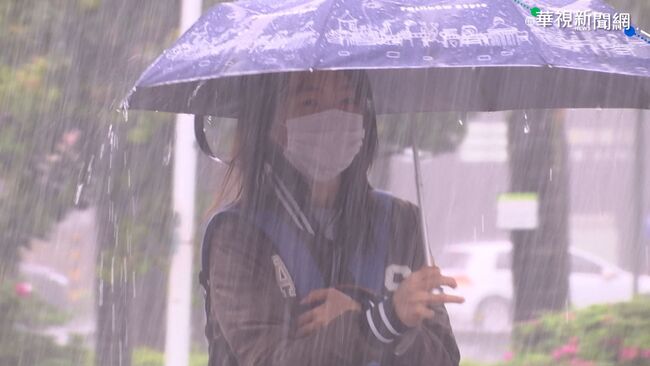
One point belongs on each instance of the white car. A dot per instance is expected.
(482, 271)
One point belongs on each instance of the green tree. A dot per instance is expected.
(39, 147)
(62, 143)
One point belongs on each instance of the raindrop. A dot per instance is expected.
(526, 126)
(113, 275)
(133, 282)
(113, 318)
(460, 121)
(101, 292)
(195, 92)
(90, 169)
(128, 244)
(112, 138)
(124, 271)
(311, 69)
(168, 155)
(80, 187)
(482, 223)
(124, 108)
(209, 120)
(128, 177)
(114, 141)
(550, 174)
(101, 278)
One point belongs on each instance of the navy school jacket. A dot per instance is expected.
(257, 267)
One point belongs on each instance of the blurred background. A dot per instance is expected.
(86, 214)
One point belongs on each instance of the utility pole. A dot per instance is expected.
(177, 336)
(639, 201)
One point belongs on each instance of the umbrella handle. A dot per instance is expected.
(409, 337)
(418, 187)
(199, 133)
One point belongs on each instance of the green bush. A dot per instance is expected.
(471, 363)
(616, 334)
(149, 357)
(18, 348)
(29, 311)
(21, 344)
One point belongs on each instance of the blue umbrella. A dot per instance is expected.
(420, 55)
(467, 55)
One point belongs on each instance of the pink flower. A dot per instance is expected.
(569, 349)
(23, 289)
(628, 353)
(508, 356)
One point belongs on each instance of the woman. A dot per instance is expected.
(310, 265)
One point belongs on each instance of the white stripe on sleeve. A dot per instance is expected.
(374, 329)
(384, 318)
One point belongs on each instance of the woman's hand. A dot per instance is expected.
(413, 297)
(334, 303)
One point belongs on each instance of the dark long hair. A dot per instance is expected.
(253, 148)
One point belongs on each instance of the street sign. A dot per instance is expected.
(517, 211)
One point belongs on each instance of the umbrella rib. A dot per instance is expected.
(540, 52)
(322, 33)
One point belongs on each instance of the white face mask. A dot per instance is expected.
(322, 145)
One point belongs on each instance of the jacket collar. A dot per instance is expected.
(297, 214)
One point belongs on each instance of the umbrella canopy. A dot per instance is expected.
(467, 55)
